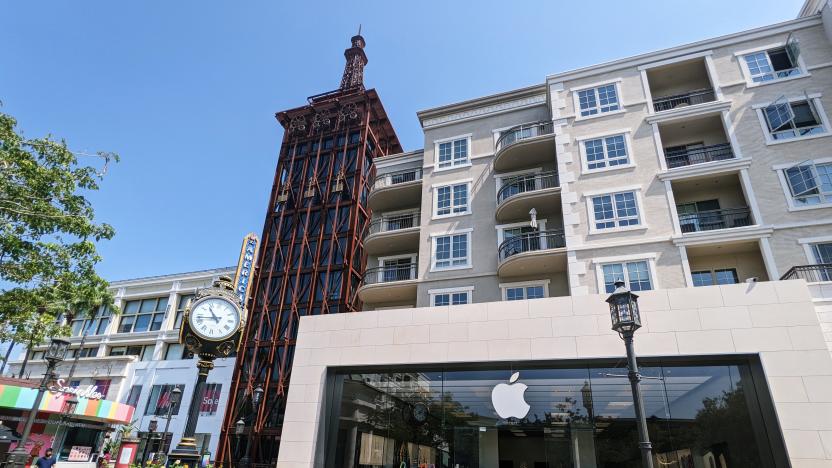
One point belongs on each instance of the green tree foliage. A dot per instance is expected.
(47, 235)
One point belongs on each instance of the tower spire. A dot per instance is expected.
(353, 76)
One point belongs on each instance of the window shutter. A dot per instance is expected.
(793, 49)
(779, 114)
(801, 179)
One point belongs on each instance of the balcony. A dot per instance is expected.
(520, 194)
(534, 253)
(810, 273)
(396, 190)
(690, 98)
(391, 234)
(726, 262)
(680, 84)
(697, 155)
(388, 284)
(715, 219)
(525, 146)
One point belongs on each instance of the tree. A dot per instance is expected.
(47, 236)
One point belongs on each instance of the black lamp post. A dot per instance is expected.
(175, 397)
(54, 354)
(239, 429)
(151, 428)
(626, 320)
(256, 396)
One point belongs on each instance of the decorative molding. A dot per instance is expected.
(485, 110)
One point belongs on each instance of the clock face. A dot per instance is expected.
(214, 319)
(420, 412)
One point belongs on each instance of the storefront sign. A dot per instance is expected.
(245, 266)
(509, 399)
(90, 391)
(79, 453)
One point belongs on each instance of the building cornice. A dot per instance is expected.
(700, 46)
(811, 7)
(192, 275)
(482, 107)
(399, 158)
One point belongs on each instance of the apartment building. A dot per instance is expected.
(698, 175)
(135, 357)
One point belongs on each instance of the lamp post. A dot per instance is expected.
(151, 428)
(55, 353)
(175, 396)
(626, 320)
(239, 429)
(256, 396)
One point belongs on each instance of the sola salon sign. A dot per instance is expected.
(90, 391)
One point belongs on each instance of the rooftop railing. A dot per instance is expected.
(689, 157)
(531, 241)
(691, 98)
(394, 178)
(523, 132)
(810, 273)
(527, 183)
(715, 219)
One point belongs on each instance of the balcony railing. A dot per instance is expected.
(394, 178)
(395, 222)
(715, 219)
(687, 99)
(390, 273)
(810, 273)
(689, 157)
(524, 132)
(527, 183)
(531, 241)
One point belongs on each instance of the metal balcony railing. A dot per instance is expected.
(689, 157)
(391, 273)
(527, 183)
(523, 132)
(687, 99)
(394, 178)
(394, 222)
(810, 273)
(715, 219)
(531, 241)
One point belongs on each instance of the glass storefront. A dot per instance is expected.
(703, 415)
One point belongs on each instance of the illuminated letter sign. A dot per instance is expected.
(245, 267)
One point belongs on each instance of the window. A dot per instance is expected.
(210, 399)
(771, 65)
(810, 183)
(452, 153)
(520, 293)
(133, 396)
(176, 351)
(159, 400)
(605, 152)
(451, 200)
(180, 309)
(145, 353)
(615, 210)
(102, 387)
(636, 275)
(822, 252)
(37, 355)
(788, 120)
(450, 251)
(143, 315)
(598, 100)
(454, 296)
(87, 351)
(712, 277)
(96, 325)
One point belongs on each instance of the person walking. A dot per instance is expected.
(46, 461)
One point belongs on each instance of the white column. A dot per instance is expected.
(671, 201)
(745, 182)
(683, 252)
(768, 259)
(709, 65)
(645, 84)
(657, 138)
(728, 126)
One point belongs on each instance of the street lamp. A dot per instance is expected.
(626, 320)
(239, 429)
(175, 396)
(151, 428)
(54, 354)
(256, 396)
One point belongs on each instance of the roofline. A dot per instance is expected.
(173, 276)
(811, 7)
(478, 102)
(662, 54)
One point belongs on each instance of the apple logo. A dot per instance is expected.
(509, 400)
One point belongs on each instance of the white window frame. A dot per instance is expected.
(590, 212)
(524, 284)
(780, 169)
(577, 102)
(435, 189)
(814, 99)
(413, 260)
(649, 257)
(746, 72)
(454, 164)
(541, 226)
(628, 143)
(468, 290)
(433, 238)
(809, 242)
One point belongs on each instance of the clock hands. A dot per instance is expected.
(211, 309)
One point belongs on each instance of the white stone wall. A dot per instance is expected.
(776, 320)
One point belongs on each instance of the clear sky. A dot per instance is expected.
(186, 91)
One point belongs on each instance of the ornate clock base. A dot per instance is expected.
(185, 453)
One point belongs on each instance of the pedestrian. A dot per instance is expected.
(46, 461)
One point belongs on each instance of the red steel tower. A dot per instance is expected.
(311, 258)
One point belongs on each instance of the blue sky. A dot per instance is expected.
(186, 91)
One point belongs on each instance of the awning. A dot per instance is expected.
(12, 396)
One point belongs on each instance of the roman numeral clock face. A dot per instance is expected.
(214, 319)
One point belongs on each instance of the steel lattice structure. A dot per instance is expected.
(312, 258)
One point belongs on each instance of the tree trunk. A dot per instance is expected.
(25, 362)
(6, 358)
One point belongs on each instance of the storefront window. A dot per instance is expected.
(160, 400)
(698, 415)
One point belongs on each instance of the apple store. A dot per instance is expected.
(709, 414)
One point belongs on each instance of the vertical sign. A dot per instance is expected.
(245, 267)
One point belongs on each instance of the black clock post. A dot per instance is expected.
(207, 350)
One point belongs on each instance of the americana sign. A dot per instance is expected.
(245, 267)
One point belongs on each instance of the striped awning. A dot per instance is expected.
(12, 396)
